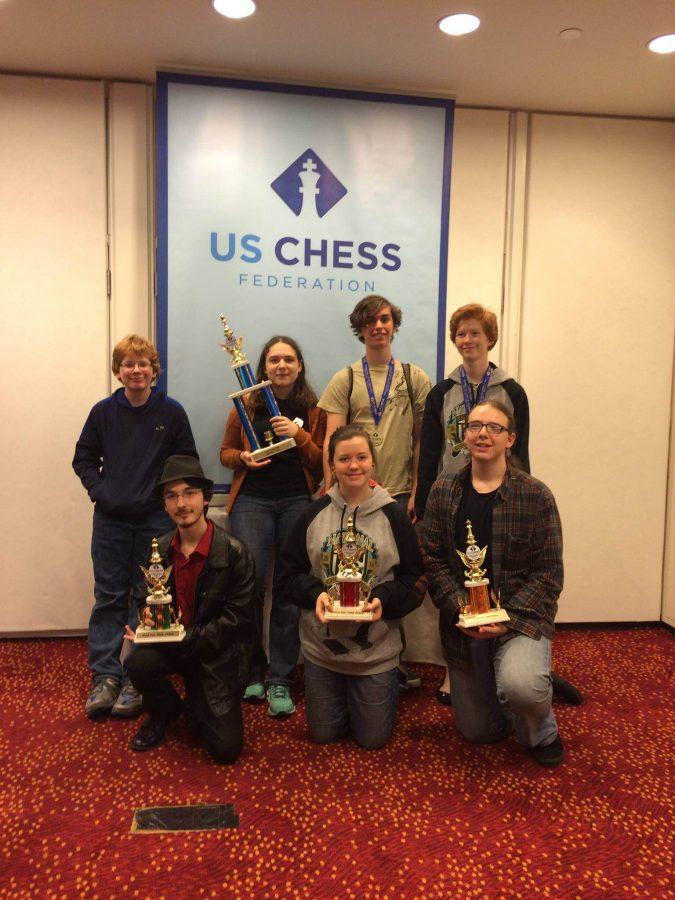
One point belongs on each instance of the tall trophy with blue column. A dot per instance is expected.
(246, 378)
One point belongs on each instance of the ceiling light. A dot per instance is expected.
(570, 34)
(663, 44)
(234, 9)
(462, 23)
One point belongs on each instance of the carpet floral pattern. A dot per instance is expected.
(428, 816)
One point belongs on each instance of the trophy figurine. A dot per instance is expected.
(478, 610)
(165, 624)
(347, 591)
(246, 378)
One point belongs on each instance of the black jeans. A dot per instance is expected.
(148, 668)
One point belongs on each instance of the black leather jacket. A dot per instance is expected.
(218, 644)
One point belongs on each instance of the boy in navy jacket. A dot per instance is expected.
(119, 458)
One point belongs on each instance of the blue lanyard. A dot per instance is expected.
(377, 410)
(481, 393)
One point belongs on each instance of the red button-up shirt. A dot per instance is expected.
(186, 571)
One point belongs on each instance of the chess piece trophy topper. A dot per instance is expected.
(478, 609)
(347, 591)
(165, 623)
(246, 378)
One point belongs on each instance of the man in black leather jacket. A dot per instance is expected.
(212, 582)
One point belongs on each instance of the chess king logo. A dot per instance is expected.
(308, 187)
(310, 190)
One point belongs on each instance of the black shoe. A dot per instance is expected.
(563, 690)
(153, 730)
(551, 755)
(443, 697)
(407, 680)
(150, 734)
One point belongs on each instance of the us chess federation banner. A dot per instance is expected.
(281, 207)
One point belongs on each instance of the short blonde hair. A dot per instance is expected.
(135, 345)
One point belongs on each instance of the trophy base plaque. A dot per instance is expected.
(474, 620)
(347, 614)
(159, 636)
(265, 452)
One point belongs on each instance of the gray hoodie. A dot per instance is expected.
(391, 565)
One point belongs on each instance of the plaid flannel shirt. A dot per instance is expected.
(526, 552)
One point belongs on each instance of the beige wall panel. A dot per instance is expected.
(130, 142)
(53, 340)
(477, 202)
(477, 211)
(668, 609)
(596, 351)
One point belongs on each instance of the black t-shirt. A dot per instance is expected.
(478, 508)
(284, 477)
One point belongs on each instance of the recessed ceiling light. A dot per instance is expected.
(461, 23)
(234, 9)
(570, 34)
(663, 44)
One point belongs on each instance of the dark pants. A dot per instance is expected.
(402, 500)
(118, 548)
(264, 526)
(338, 704)
(148, 668)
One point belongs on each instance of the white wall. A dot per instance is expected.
(131, 209)
(565, 222)
(596, 351)
(53, 340)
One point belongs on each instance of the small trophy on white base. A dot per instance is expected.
(165, 624)
(347, 591)
(478, 610)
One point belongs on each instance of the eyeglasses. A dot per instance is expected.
(492, 427)
(187, 494)
(130, 366)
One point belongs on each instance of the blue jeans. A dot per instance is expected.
(337, 704)
(504, 687)
(118, 548)
(263, 525)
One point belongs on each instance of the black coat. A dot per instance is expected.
(218, 644)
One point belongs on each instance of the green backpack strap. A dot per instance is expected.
(350, 388)
(408, 384)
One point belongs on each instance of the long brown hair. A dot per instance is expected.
(302, 394)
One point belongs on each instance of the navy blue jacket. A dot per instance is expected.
(122, 449)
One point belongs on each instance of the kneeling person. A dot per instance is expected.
(500, 673)
(213, 584)
(351, 675)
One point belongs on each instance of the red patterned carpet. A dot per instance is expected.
(428, 816)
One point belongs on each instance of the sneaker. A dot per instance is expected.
(551, 755)
(129, 703)
(407, 680)
(563, 690)
(104, 692)
(279, 699)
(254, 693)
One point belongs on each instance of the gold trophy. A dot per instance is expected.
(477, 610)
(165, 623)
(347, 591)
